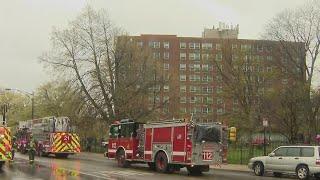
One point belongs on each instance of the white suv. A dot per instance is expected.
(304, 161)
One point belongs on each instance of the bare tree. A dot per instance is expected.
(300, 25)
(95, 53)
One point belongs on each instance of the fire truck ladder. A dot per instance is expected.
(166, 122)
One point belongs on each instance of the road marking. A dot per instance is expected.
(124, 173)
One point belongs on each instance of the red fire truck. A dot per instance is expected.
(167, 146)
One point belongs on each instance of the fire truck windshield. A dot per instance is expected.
(207, 133)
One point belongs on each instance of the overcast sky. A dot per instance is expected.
(25, 25)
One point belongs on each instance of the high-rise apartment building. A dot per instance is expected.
(189, 66)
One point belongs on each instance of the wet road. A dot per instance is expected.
(100, 168)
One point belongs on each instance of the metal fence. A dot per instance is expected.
(92, 146)
(241, 153)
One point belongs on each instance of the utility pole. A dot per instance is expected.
(32, 105)
(265, 125)
(4, 111)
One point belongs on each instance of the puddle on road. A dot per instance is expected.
(23, 170)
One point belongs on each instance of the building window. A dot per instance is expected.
(206, 45)
(219, 101)
(235, 101)
(183, 89)
(284, 70)
(196, 110)
(219, 89)
(183, 67)
(193, 45)
(259, 48)
(235, 57)
(165, 109)
(140, 43)
(166, 99)
(166, 45)
(194, 89)
(183, 100)
(284, 60)
(205, 57)
(269, 69)
(166, 66)
(183, 56)
(166, 77)
(166, 88)
(219, 111)
(194, 56)
(166, 55)
(206, 110)
(234, 46)
(208, 100)
(284, 81)
(269, 58)
(245, 47)
(197, 67)
(194, 99)
(154, 44)
(206, 78)
(219, 78)
(235, 109)
(156, 55)
(183, 45)
(183, 110)
(219, 57)
(191, 67)
(207, 89)
(157, 99)
(205, 67)
(183, 77)
(218, 47)
(195, 77)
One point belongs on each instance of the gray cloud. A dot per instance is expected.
(25, 26)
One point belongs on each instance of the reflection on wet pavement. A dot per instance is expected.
(22, 169)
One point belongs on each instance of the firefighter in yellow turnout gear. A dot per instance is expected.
(31, 148)
(14, 147)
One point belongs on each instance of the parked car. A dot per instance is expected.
(303, 161)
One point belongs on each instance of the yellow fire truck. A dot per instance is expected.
(5, 145)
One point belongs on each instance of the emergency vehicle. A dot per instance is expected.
(5, 145)
(53, 135)
(167, 146)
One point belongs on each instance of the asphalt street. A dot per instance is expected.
(100, 168)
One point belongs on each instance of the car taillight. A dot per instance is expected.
(317, 161)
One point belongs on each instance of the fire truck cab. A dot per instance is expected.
(167, 146)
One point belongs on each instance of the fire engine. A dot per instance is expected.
(167, 146)
(5, 145)
(53, 135)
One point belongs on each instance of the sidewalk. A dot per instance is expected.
(228, 167)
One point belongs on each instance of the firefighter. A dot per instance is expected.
(31, 148)
(14, 147)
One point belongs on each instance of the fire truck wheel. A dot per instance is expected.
(121, 158)
(162, 162)
(152, 166)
